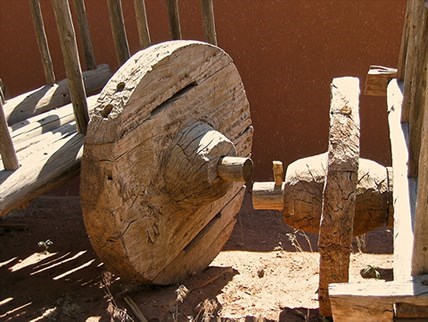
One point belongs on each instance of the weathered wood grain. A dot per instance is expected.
(48, 97)
(70, 54)
(339, 194)
(174, 19)
(374, 302)
(49, 152)
(268, 196)
(377, 80)
(7, 150)
(404, 194)
(134, 224)
(42, 41)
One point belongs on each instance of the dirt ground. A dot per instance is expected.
(267, 271)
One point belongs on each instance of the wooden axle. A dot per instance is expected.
(300, 196)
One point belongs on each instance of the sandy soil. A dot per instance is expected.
(266, 272)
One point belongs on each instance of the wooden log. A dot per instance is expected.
(377, 302)
(208, 21)
(377, 80)
(235, 169)
(67, 39)
(142, 25)
(7, 150)
(174, 19)
(404, 195)
(303, 186)
(42, 41)
(51, 156)
(401, 65)
(82, 21)
(129, 141)
(118, 30)
(45, 98)
(268, 196)
(339, 192)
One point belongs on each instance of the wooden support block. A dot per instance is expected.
(208, 21)
(404, 194)
(235, 169)
(377, 80)
(142, 26)
(42, 41)
(118, 30)
(48, 97)
(339, 194)
(67, 39)
(378, 302)
(278, 172)
(82, 20)
(268, 196)
(174, 19)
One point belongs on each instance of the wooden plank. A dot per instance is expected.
(374, 302)
(67, 39)
(118, 30)
(406, 310)
(174, 19)
(7, 150)
(142, 25)
(48, 97)
(82, 21)
(339, 194)
(420, 257)
(416, 96)
(208, 21)
(404, 194)
(42, 41)
(377, 80)
(51, 156)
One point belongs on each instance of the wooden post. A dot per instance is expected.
(142, 25)
(401, 65)
(278, 172)
(118, 30)
(208, 21)
(174, 19)
(340, 187)
(235, 169)
(42, 41)
(67, 38)
(82, 20)
(7, 150)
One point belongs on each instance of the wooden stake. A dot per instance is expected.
(340, 187)
(174, 19)
(82, 20)
(278, 173)
(67, 38)
(142, 25)
(42, 41)
(118, 30)
(7, 150)
(235, 169)
(208, 21)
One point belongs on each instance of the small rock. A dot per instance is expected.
(261, 272)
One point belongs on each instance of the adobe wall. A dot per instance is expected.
(286, 51)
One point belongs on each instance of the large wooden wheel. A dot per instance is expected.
(161, 178)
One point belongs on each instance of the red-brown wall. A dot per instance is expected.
(286, 51)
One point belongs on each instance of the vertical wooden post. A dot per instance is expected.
(401, 65)
(82, 20)
(42, 41)
(339, 195)
(174, 19)
(67, 39)
(118, 30)
(7, 151)
(278, 172)
(142, 25)
(208, 21)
